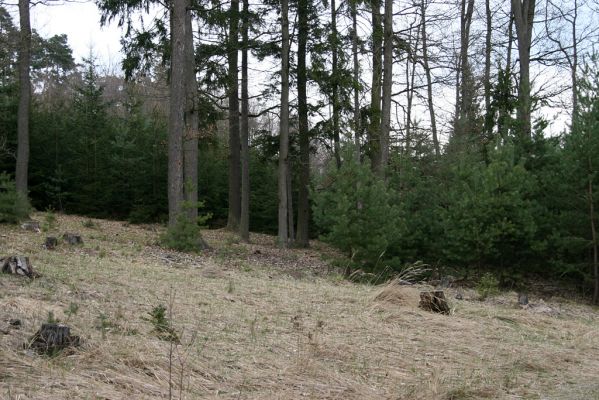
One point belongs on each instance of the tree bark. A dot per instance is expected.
(429, 81)
(190, 144)
(234, 214)
(283, 230)
(524, 12)
(177, 110)
(487, 76)
(303, 201)
(375, 94)
(356, 76)
(22, 166)
(335, 84)
(387, 87)
(244, 224)
(466, 89)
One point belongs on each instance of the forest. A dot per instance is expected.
(458, 133)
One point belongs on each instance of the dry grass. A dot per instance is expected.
(260, 323)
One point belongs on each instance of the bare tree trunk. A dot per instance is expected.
(234, 214)
(487, 77)
(244, 224)
(356, 76)
(375, 94)
(411, 62)
(190, 144)
(524, 12)
(593, 236)
(574, 66)
(284, 128)
(503, 114)
(177, 110)
(429, 81)
(387, 87)
(335, 84)
(290, 225)
(22, 166)
(466, 96)
(303, 202)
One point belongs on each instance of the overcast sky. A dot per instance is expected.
(81, 23)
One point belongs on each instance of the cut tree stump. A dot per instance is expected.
(33, 226)
(50, 243)
(72, 238)
(52, 338)
(17, 265)
(434, 301)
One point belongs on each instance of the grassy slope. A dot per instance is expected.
(262, 323)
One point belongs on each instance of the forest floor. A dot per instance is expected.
(257, 322)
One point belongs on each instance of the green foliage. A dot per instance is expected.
(14, 207)
(487, 286)
(162, 325)
(353, 209)
(49, 220)
(186, 234)
(489, 218)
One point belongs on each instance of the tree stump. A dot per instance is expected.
(434, 301)
(33, 226)
(52, 338)
(72, 238)
(50, 243)
(17, 265)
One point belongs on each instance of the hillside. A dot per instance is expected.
(257, 322)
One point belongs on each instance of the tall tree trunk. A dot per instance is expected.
(335, 84)
(574, 63)
(466, 88)
(284, 128)
(244, 225)
(429, 80)
(593, 234)
(375, 94)
(303, 201)
(524, 12)
(356, 76)
(290, 226)
(502, 123)
(387, 87)
(190, 144)
(176, 111)
(411, 62)
(487, 77)
(234, 214)
(22, 166)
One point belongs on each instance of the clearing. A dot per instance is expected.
(257, 322)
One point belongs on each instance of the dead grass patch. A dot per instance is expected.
(251, 330)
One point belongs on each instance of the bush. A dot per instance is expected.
(14, 207)
(352, 208)
(185, 235)
(487, 286)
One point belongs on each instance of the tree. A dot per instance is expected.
(429, 80)
(582, 146)
(177, 110)
(283, 175)
(234, 140)
(376, 87)
(303, 206)
(524, 13)
(190, 139)
(244, 222)
(22, 168)
(383, 153)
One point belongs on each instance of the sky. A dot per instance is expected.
(81, 23)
